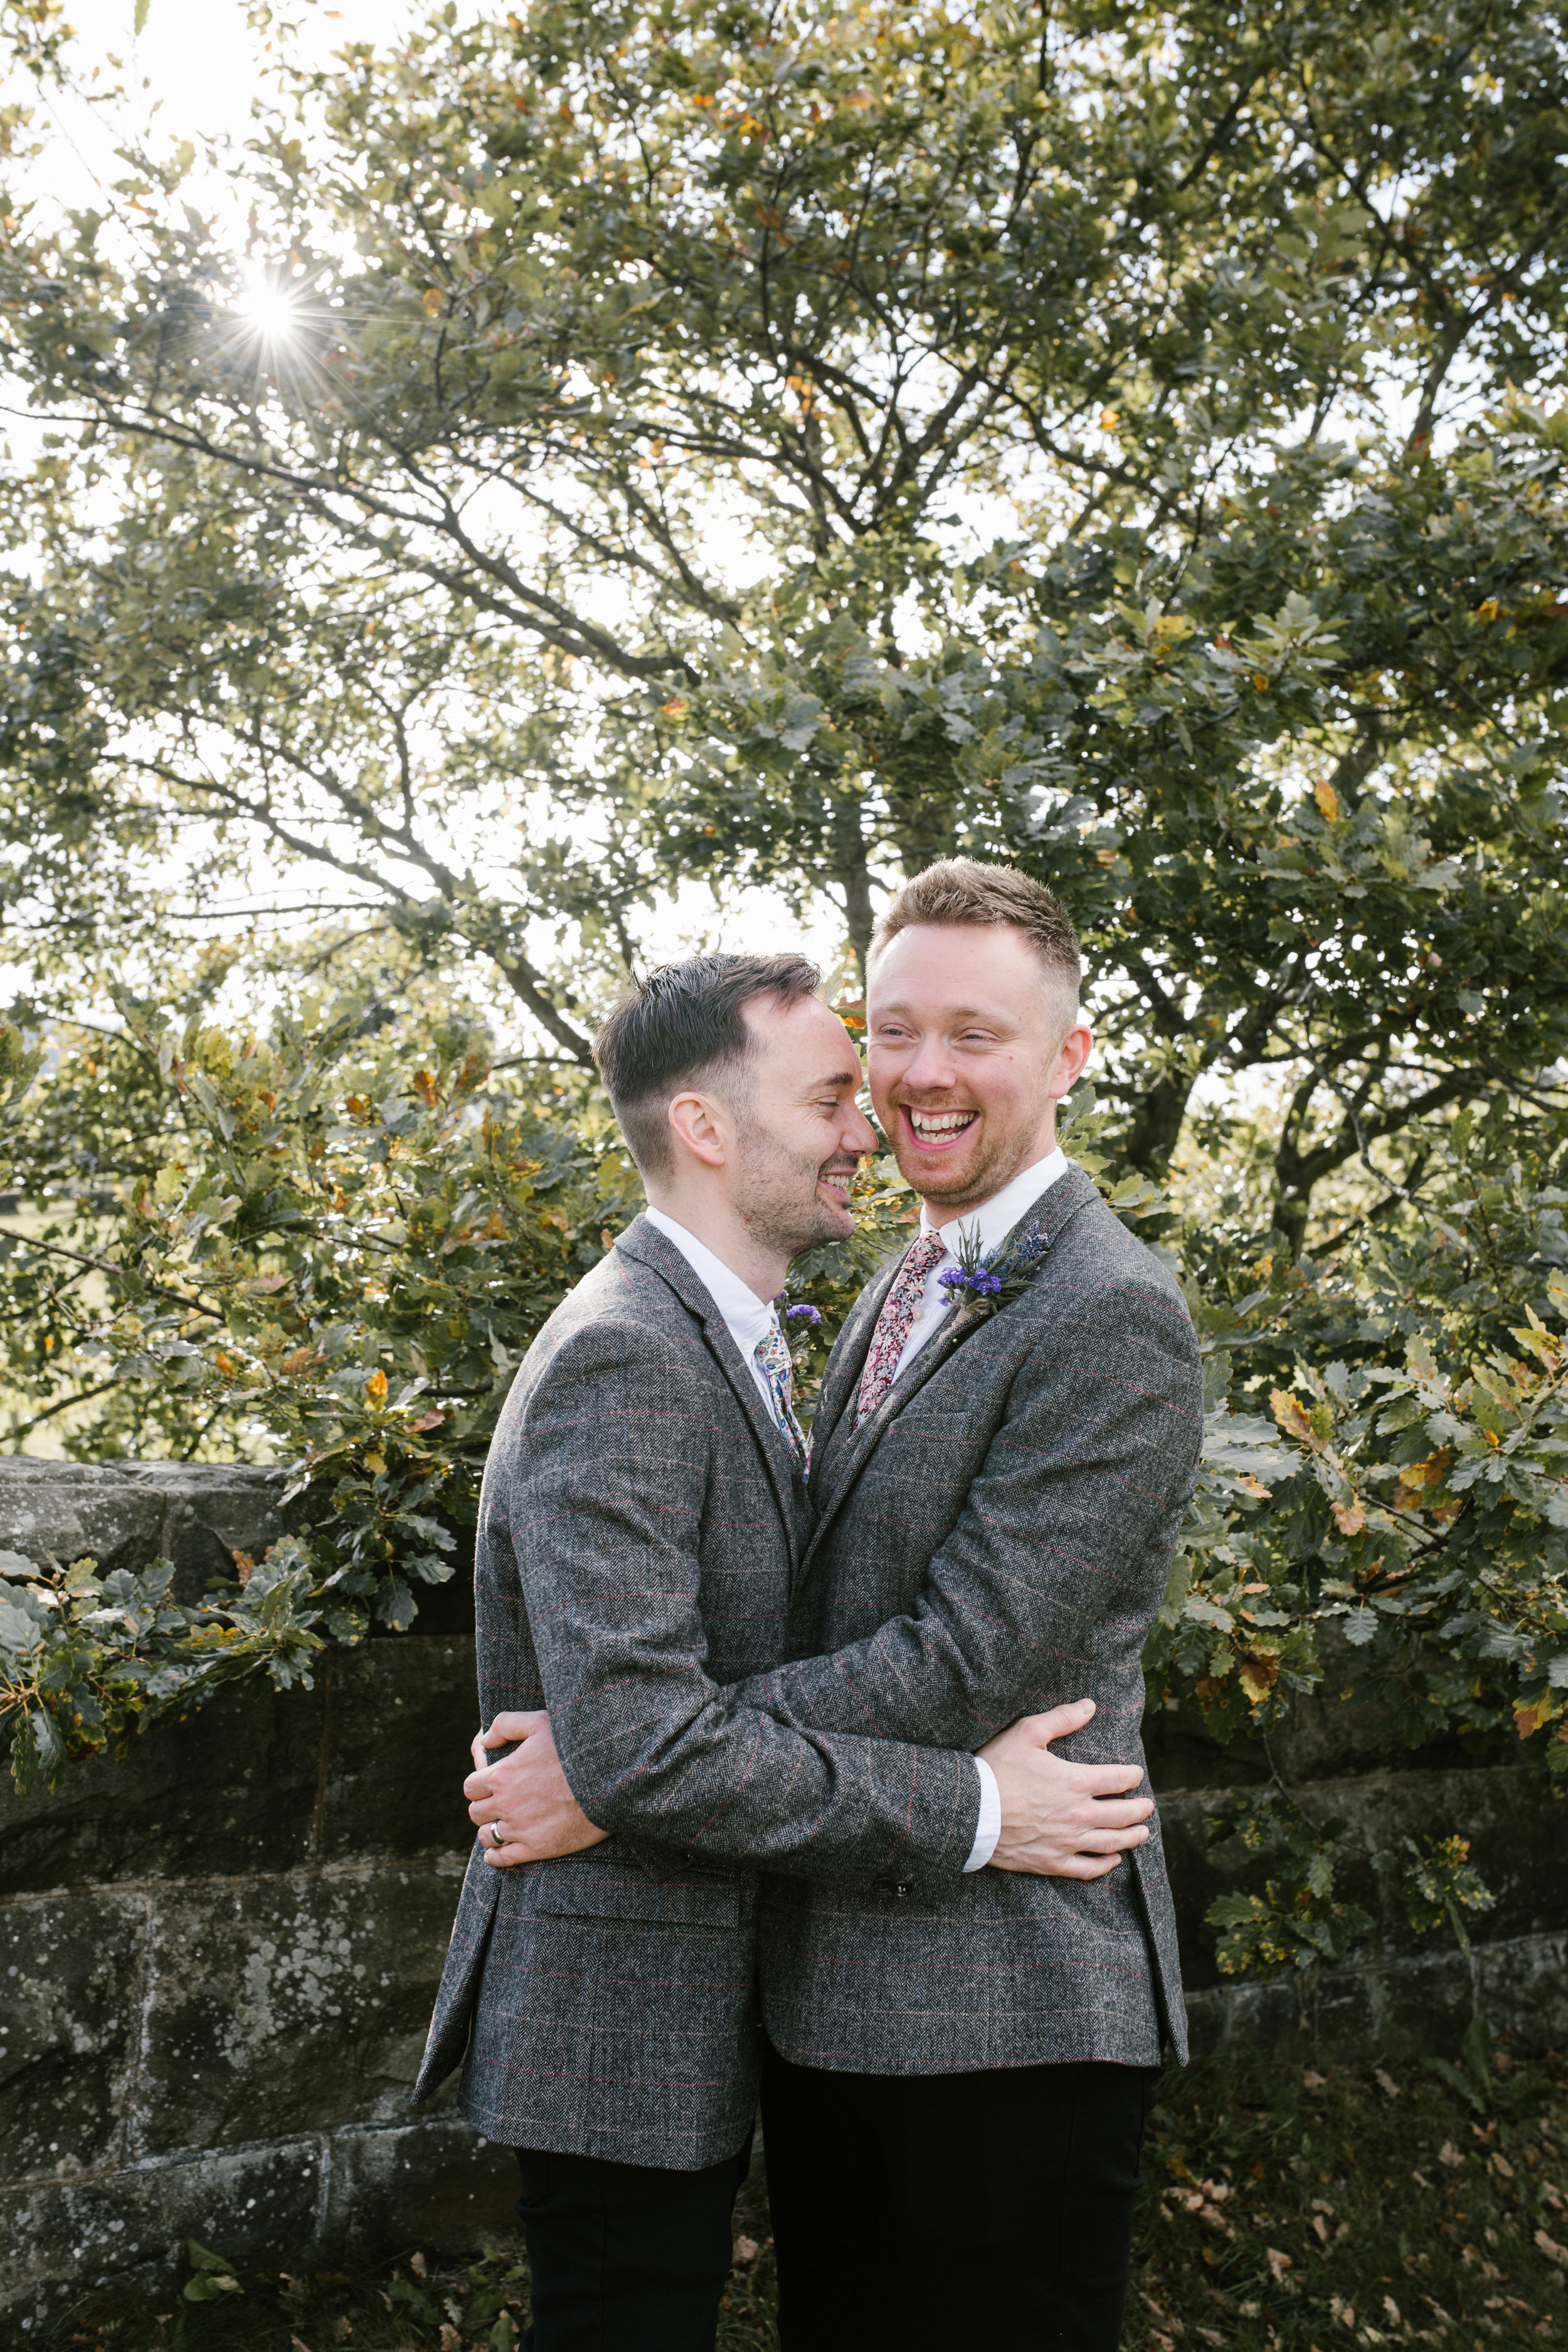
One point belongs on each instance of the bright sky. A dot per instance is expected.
(193, 73)
(196, 61)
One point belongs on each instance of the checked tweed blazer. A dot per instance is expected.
(996, 1540)
(640, 1529)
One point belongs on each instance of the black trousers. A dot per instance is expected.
(988, 2212)
(625, 2257)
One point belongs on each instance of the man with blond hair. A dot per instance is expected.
(1002, 1458)
(958, 2067)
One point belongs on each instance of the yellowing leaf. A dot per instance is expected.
(1258, 1675)
(375, 1464)
(376, 1389)
(1417, 1475)
(1290, 1413)
(1328, 800)
(1349, 1517)
(434, 298)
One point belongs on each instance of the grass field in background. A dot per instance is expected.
(1301, 2210)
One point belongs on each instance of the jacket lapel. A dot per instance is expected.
(650, 1248)
(847, 1459)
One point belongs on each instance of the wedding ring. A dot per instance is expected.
(498, 1836)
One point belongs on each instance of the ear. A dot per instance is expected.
(702, 1127)
(1071, 1055)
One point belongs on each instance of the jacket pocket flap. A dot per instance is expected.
(624, 1894)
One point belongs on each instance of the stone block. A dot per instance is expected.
(1514, 1824)
(433, 2184)
(1524, 1990)
(368, 1762)
(1397, 2009)
(403, 1714)
(124, 1514)
(210, 1516)
(279, 2006)
(1342, 1727)
(70, 2240)
(231, 1788)
(63, 1511)
(69, 2021)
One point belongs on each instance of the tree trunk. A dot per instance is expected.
(854, 880)
(1157, 1124)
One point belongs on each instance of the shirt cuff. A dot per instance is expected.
(989, 1828)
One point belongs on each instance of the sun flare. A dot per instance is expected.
(269, 309)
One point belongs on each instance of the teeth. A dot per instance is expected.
(931, 1122)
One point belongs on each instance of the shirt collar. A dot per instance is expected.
(994, 1219)
(747, 1316)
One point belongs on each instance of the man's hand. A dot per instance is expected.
(525, 1796)
(1061, 1819)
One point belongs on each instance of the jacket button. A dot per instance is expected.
(901, 1892)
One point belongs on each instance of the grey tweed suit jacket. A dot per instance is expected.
(996, 1540)
(640, 1528)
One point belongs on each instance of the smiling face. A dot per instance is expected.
(972, 1044)
(798, 1134)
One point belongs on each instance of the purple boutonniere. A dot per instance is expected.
(964, 1288)
(976, 1288)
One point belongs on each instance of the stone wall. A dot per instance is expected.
(219, 1955)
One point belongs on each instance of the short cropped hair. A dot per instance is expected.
(684, 1025)
(962, 890)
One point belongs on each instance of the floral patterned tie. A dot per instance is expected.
(773, 1354)
(888, 1341)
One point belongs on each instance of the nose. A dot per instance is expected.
(933, 1067)
(859, 1136)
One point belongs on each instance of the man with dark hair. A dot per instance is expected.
(641, 1528)
(684, 1022)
